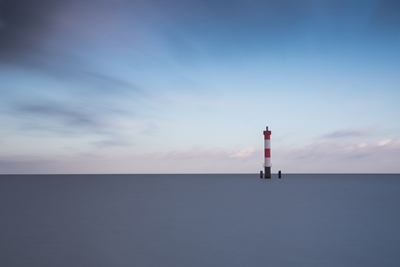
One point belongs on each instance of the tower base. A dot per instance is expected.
(267, 171)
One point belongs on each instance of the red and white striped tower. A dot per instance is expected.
(267, 153)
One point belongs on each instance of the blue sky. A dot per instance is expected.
(114, 86)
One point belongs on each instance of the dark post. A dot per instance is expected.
(267, 172)
(261, 174)
(279, 174)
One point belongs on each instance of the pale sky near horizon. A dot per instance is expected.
(150, 86)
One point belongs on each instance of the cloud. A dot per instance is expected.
(335, 156)
(116, 142)
(384, 142)
(37, 27)
(70, 68)
(72, 116)
(244, 153)
(32, 26)
(29, 25)
(108, 83)
(195, 153)
(115, 125)
(345, 133)
(361, 145)
(24, 25)
(75, 117)
(322, 157)
(65, 119)
(212, 153)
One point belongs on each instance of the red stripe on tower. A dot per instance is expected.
(267, 153)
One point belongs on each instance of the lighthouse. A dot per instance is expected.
(267, 153)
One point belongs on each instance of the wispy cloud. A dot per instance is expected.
(116, 142)
(338, 149)
(72, 117)
(69, 118)
(384, 142)
(344, 133)
(59, 115)
(212, 153)
(349, 156)
(244, 153)
(195, 153)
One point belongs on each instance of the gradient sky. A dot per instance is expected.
(182, 86)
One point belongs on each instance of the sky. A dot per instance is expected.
(188, 86)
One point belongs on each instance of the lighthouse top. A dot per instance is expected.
(266, 132)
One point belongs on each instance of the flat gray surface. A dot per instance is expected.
(200, 220)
